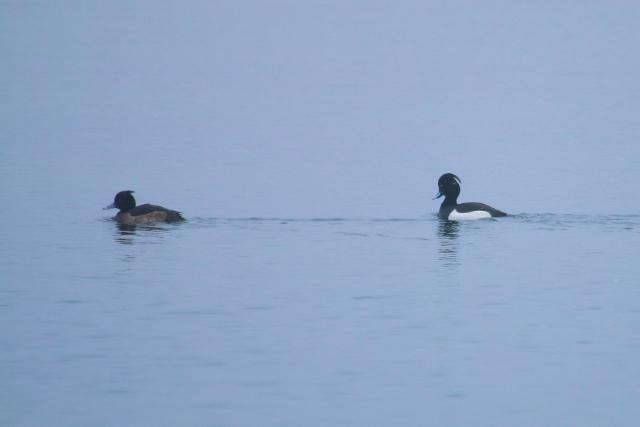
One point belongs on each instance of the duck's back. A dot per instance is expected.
(469, 207)
(149, 213)
(469, 211)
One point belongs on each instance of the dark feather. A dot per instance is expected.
(475, 206)
(147, 209)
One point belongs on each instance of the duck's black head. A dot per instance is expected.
(124, 201)
(449, 187)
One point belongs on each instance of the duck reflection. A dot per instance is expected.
(133, 235)
(124, 234)
(147, 234)
(448, 237)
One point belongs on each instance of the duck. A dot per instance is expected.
(451, 210)
(130, 214)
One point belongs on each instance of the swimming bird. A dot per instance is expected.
(449, 187)
(130, 214)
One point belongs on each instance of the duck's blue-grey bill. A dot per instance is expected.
(111, 206)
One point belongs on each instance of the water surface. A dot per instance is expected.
(337, 321)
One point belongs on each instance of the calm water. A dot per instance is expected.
(256, 117)
(283, 322)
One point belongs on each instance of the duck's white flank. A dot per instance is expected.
(457, 216)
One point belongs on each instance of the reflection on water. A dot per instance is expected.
(448, 249)
(124, 233)
(149, 233)
(131, 236)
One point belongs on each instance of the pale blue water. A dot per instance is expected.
(527, 320)
(312, 283)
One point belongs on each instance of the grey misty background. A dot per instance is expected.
(319, 108)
